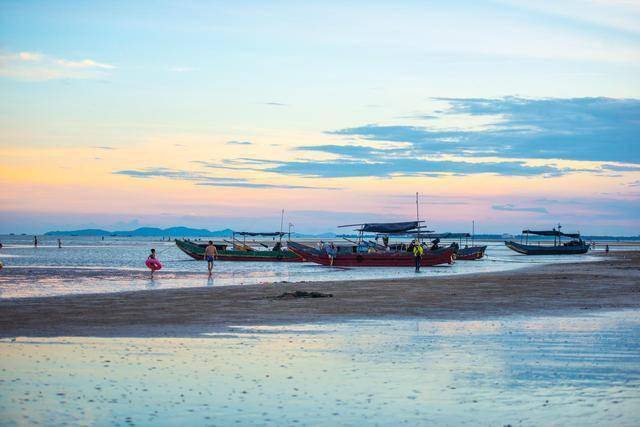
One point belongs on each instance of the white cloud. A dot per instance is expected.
(85, 63)
(35, 66)
(29, 56)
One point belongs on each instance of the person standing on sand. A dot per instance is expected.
(210, 253)
(417, 255)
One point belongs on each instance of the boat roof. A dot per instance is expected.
(551, 233)
(387, 227)
(254, 233)
(445, 235)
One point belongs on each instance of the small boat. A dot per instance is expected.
(366, 254)
(572, 247)
(471, 253)
(466, 253)
(240, 250)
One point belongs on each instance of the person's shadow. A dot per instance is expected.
(210, 281)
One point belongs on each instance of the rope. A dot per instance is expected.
(164, 250)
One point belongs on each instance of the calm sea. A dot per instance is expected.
(117, 254)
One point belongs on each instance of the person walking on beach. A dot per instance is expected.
(417, 255)
(153, 258)
(35, 241)
(59, 244)
(332, 252)
(210, 253)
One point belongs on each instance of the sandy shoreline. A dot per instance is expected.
(549, 289)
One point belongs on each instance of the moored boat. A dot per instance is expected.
(369, 254)
(575, 246)
(466, 253)
(196, 251)
(373, 259)
(471, 253)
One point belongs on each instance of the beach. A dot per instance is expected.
(547, 344)
(612, 283)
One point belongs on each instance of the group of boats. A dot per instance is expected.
(376, 251)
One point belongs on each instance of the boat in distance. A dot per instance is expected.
(444, 255)
(239, 252)
(576, 246)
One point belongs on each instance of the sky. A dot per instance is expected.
(513, 114)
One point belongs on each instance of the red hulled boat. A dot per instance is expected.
(376, 259)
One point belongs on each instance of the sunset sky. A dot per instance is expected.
(515, 114)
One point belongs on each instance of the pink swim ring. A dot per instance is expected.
(153, 264)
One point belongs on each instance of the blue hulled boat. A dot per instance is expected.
(575, 246)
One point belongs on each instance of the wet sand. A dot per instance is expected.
(561, 289)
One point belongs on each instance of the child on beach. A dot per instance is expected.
(151, 262)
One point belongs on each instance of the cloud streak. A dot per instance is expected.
(34, 66)
(201, 179)
(239, 143)
(512, 208)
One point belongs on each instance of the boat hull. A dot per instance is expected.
(379, 259)
(196, 251)
(471, 253)
(547, 250)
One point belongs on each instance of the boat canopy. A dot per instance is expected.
(251, 233)
(387, 227)
(445, 235)
(552, 233)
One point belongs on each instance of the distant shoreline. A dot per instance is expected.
(558, 289)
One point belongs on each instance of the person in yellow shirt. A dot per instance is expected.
(417, 255)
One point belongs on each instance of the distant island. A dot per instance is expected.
(164, 232)
(146, 232)
(227, 232)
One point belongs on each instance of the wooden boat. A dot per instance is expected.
(369, 254)
(467, 253)
(573, 247)
(196, 251)
(345, 258)
(471, 253)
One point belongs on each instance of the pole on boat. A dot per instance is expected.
(473, 232)
(281, 224)
(290, 225)
(418, 215)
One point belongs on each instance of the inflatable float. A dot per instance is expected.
(153, 264)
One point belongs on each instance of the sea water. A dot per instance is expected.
(67, 267)
(582, 370)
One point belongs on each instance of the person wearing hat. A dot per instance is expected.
(418, 251)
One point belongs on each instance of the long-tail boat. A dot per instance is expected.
(240, 250)
(572, 247)
(466, 253)
(364, 254)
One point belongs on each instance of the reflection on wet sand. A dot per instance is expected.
(533, 371)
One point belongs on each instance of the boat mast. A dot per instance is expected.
(418, 216)
(281, 224)
(473, 231)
